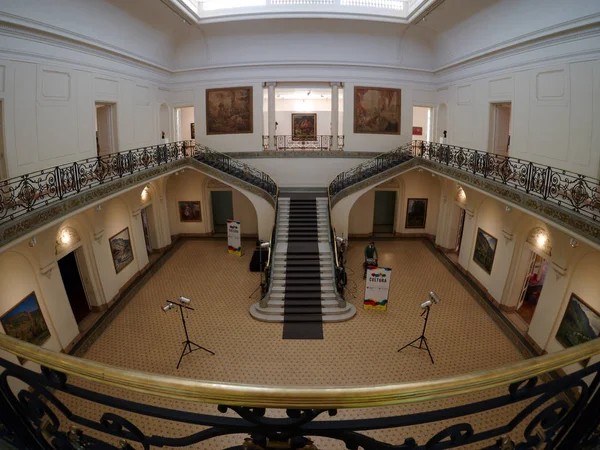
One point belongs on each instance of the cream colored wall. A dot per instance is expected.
(361, 215)
(243, 210)
(188, 186)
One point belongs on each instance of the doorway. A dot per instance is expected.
(146, 227)
(3, 170)
(384, 212)
(69, 271)
(222, 210)
(185, 128)
(163, 121)
(421, 123)
(459, 232)
(532, 286)
(106, 128)
(500, 128)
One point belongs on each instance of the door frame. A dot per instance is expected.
(492, 124)
(210, 208)
(396, 204)
(432, 124)
(112, 123)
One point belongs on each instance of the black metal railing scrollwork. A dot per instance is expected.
(573, 191)
(369, 168)
(236, 168)
(45, 410)
(323, 143)
(23, 194)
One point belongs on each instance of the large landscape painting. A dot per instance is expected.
(229, 110)
(377, 110)
(579, 324)
(485, 249)
(26, 322)
(120, 247)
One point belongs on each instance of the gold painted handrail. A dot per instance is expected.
(297, 397)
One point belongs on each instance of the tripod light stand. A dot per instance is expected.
(187, 344)
(422, 340)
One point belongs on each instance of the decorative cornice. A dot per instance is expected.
(47, 270)
(560, 271)
(98, 236)
(507, 236)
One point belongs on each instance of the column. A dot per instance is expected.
(335, 102)
(271, 114)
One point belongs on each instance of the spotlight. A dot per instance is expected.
(573, 243)
(167, 307)
(340, 239)
(265, 244)
(508, 208)
(32, 242)
(433, 299)
(98, 208)
(185, 300)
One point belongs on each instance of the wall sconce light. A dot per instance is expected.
(574, 243)
(32, 242)
(461, 194)
(98, 208)
(144, 195)
(508, 208)
(65, 237)
(541, 240)
(433, 174)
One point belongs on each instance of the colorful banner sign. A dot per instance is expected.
(377, 288)
(234, 237)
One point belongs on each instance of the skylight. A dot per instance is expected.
(220, 10)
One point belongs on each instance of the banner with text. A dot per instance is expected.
(234, 239)
(377, 288)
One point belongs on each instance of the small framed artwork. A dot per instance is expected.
(417, 131)
(416, 213)
(581, 323)
(120, 247)
(192, 130)
(304, 127)
(485, 250)
(190, 212)
(25, 321)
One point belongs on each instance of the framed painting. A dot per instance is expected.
(417, 131)
(416, 213)
(581, 323)
(229, 110)
(190, 212)
(377, 110)
(120, 247)
(192, 130)
(25, 321)
(485, 250)
(304, 127)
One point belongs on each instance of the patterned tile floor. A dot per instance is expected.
(462, 337)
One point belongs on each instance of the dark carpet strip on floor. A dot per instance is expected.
(302, 302)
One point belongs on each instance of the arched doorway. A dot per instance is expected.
(532, 269)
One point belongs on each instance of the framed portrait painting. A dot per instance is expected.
(416, 213)
(25, 321)
(120, 247)
(304, 127)
(377, 110)
(417, 131)
(581, 323)
(190, 212)
(229, 110)
(485, 250)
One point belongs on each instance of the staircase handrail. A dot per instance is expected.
(214, 392)
(28, 192)
(237, 168)
(268, 268)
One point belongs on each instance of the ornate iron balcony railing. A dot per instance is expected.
(237, 168)
(576, 192)
(25, 193)
(561, 413)
(321, 143)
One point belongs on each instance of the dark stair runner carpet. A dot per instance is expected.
(303, 317)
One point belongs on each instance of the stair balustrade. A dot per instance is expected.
(323, 143)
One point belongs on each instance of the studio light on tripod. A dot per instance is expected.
(167, 307)
(185, 300)
(433, 299)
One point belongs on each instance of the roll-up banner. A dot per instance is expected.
(234, 240)
(377, 288)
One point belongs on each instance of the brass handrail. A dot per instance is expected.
(297, 397)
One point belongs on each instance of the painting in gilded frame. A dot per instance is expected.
(25, 321)
(121, 250)
(485, 250)
(304, 127)
(190, 212)
(229, 110)
(416, 213)
(581, 323)
(377, 110)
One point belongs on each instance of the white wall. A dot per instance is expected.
(420, 120)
